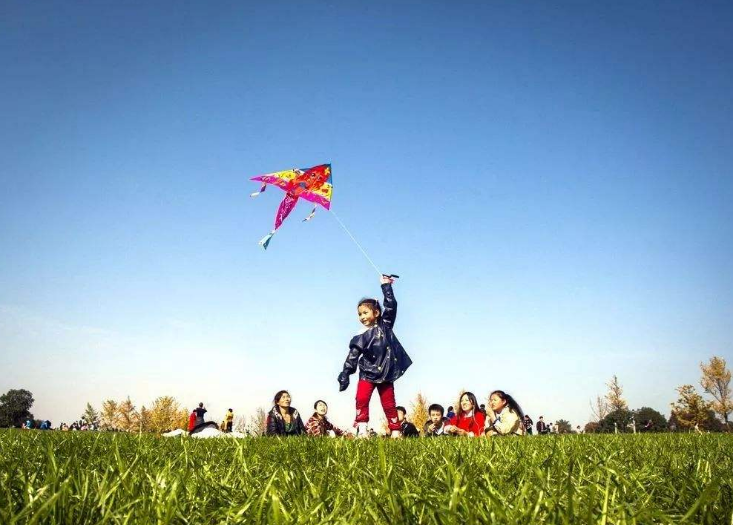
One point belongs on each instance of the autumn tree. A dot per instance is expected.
(127, 418)
(614, 397)
(144, 422)
(716, 382)
(90, 415)
(108, 416)
(690, 410)
(419, 413)
(166, 414)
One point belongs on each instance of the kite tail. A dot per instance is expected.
(262, 189)
(311, 215)
(266, 240)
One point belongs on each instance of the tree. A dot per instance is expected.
(614, 396)
(716, 382)
(564, 427)
(258, 423)
(599, 409)
(649, 420)
(144, 422)
(420, 414)
(108, 417)
(90, 415)
(618, 420)
(127, 417)
(165, 415)
(691, 411)
(15, 406)
(592, 427)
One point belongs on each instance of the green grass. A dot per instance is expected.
(77, 478)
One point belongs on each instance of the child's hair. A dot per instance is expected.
(436, 407)
(201, 405)
(279, 395)
(473, 400)
(319, 401)
(510, 402)
(450, 408)
(402, 409)
(372, 304)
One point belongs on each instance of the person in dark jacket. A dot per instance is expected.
(284, 420)
(380, 358)
(408, 429)
(200, 411)
(542, 426)
(435, 426)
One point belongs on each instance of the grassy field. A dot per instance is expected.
(77, 478)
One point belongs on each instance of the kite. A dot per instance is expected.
(312, 184)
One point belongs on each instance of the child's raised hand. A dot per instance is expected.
(386, 280)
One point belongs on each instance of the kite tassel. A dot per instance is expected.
(266, 239)
(311, 215)
(262, 189)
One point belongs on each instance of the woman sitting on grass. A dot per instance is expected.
(505, 416)
(319, 425)
(284, 420)
(468, 421)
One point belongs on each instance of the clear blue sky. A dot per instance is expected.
(551, 180)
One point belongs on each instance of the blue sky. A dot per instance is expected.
(552, 182)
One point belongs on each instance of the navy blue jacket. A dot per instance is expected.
(377, 352)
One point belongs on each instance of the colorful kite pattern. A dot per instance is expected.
(312, 184)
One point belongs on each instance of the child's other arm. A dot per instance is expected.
(352, 361)
(389, 315)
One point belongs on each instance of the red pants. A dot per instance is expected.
(386, 395)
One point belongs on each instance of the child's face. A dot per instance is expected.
(321, 408)
(497, 403)
(367, 316)
(400, 416)
(435, 416)
(466, 404)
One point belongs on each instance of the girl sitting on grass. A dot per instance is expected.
(505, 416)
(319, 425)
(468, 421)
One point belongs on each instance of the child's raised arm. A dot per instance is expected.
(389, 315)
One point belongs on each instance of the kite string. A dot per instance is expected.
(355, 242)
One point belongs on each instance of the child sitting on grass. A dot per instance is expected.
(505, 416)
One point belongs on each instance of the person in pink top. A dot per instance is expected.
(468, 421)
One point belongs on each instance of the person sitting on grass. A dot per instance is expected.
(435, 426)
(505, 416)
(468, 421)
(407, 428)
(284, 420)
(319, 425)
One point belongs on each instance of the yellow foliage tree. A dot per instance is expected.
(108, 417)
(419, 413)
(716, 382)
(690, 410)
(128, 419)
(614, 396)
(166, 414)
